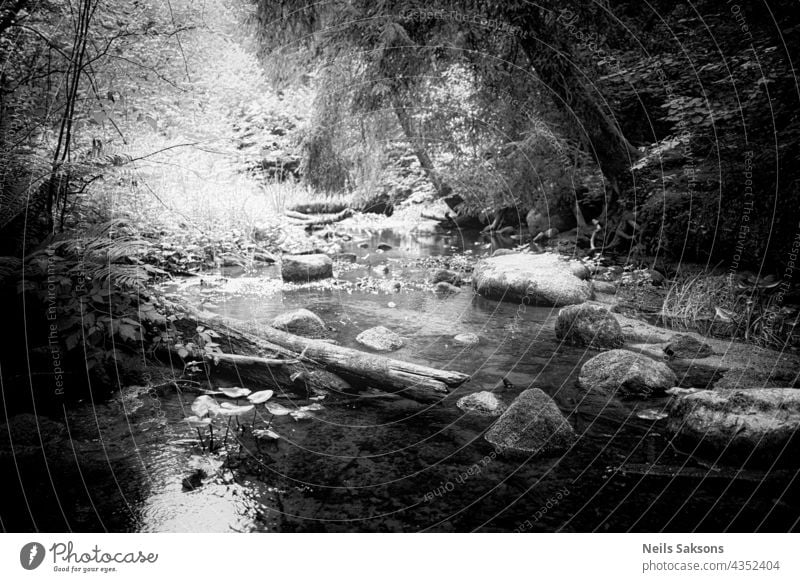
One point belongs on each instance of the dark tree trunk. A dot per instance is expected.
(554, 63)
(407, 124)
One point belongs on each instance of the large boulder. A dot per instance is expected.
(532, 425)
(588, 325)
(481, 403)
(301, 322)
(302, 268)
(740, 426)
(543, 279)
(626, 373)
(380, 339)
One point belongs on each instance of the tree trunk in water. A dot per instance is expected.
(407, 124)
(305, 357)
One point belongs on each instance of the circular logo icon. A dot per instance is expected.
(31, 555)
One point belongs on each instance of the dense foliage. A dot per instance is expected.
(513, 103)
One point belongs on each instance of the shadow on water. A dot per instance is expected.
(380, 463)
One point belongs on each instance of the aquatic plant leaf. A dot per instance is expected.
(277, 409)
(260, 397)
(204, 405)
(650, 414)
(265, 433)
(235, 392)
(228, 409)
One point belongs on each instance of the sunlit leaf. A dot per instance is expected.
(260, 397)
(227, 409)
(301, 415)
(204, 405)
(277, 409)
(265, 433)
(235, 392)
(650, 414)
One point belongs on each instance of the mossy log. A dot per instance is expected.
(269, 357)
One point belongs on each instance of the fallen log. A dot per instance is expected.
(322, 220)
(319, 207)
(309, 359)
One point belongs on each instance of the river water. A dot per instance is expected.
(382, 463)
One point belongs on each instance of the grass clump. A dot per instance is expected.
(732, 307)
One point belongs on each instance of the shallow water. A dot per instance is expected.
(382, 463)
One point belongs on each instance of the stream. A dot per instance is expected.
(381, 463)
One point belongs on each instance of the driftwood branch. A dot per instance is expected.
(321, 220)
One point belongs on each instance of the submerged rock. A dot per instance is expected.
(301, 322)
(447, 276)
(482, 403)
(380, 339)
(532, 425)
(301, 268)
(753, 426)
(606, 287)
(346, 257)
(445, 288)
(587, 325)
(544, 279)
(684, 346)
(626, 372)
(467, 339)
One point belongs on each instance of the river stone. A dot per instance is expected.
(482, 403)
(684, 346)
(736, 426)
(300, 268)
(445, 288)
(580, 270)
(380, 339)
(301, 322)
(447, 276)
(532, 425)
(544, 279)
(606, 287)
(467, 339)
(588, 325)
(627, 372)
(346, 257)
